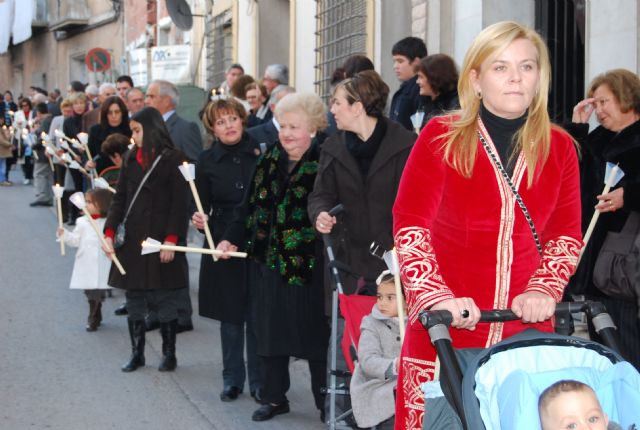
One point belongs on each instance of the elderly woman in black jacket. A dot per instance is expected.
(160, 211)
(615, 98)
(222, 177)
(285, 253)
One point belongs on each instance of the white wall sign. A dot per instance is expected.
(171, 63)
(138, 66)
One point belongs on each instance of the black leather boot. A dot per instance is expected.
(168, 332)
(136, 332)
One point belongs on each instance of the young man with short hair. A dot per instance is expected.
(406, 54)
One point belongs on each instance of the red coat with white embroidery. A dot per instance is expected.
(467, 237)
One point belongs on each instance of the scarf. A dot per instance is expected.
(280, 234)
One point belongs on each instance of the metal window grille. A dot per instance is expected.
(219, 48)
(341, 31)
(562, 23)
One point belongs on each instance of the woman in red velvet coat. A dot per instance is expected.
(463, 241)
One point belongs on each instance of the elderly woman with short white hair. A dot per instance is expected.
(285, 254)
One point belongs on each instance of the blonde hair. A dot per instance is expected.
(77, 97)
(534, 138)
(308, 104)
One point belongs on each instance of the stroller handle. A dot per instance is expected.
(432, 318)
(336, 209)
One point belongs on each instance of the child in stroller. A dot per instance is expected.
(572, 404)
(376, 373)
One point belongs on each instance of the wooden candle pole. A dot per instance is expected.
(196, 197)
(104, 242)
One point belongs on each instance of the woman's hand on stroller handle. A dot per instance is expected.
(325, 222)
(464, 312)
(533, 307)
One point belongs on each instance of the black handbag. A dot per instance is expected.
(121, 232)
(616, 267)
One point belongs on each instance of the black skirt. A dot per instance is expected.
(290, 319)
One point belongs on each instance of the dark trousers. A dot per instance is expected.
(233, 338)
(276, 382)
(27, 167)
(233, 365)
(166, 302)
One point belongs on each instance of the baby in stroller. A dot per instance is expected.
(572, 404)
(376, 373)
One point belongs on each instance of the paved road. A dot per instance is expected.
(55, 375)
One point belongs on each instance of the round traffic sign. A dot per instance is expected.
(98, 60)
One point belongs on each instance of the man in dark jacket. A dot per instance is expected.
(163, 95)
(406, 101)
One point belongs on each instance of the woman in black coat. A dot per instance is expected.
(285, 254)
(160, 211)
(615, 97)
(222, 176)
(114, 118)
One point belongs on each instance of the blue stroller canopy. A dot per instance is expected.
(501, 385)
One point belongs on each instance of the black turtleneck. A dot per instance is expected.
(362, 151)
(501, 131)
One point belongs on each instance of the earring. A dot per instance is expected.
(479, 95)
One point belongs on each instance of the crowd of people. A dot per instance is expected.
(484, 199)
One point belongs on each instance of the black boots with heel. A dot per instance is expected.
(136, 332)
(168, 332)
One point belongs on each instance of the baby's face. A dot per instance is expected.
(578, 410)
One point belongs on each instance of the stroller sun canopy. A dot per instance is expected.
(506, 384)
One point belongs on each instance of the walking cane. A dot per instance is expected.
(326, 239)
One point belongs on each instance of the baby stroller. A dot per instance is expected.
(353, 309)
(498, 387)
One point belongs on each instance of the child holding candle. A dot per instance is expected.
(91, 267)
(376, 373)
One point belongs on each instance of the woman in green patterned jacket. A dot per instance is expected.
(285, 254)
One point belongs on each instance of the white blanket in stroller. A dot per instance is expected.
(509, 384)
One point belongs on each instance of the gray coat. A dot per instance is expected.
(373, 380)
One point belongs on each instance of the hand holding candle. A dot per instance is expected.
(78, 200)
(150, 246)
(189, 173)
(57, 192)
(612, 177)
